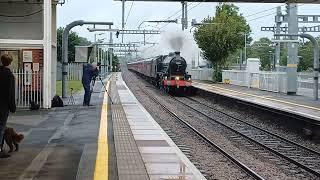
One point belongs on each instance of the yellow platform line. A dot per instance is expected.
(101, 167)
(261, 97)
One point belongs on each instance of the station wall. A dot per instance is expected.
(21, 21)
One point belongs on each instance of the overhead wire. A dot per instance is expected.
(261, 17)
(25, 15)
(261, 12)
(181, 15)
(129, 12)
(245, 16)
(270, 14)
(170, 17)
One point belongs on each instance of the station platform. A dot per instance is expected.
(103, 141)
(300, 106)
(143, 149)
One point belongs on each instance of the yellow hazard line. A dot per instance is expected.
(261, 97)
(101, 166)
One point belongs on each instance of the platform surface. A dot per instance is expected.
(162, 159)
(60, 143)
(297, 105)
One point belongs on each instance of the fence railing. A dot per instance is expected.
(28, 87)
(235, 77)
(201, 74)
(273, 81)
(268, 81)
(74, 71)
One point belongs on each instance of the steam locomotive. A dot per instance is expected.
(167, 72)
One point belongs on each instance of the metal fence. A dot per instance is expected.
(235, 77)
(273, 81)
(28, 87)
(269, 81)
(201, 74)
(305, 80)
(74, 71)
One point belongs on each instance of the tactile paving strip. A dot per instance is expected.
(129, 161)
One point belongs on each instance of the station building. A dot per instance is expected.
(28, 33)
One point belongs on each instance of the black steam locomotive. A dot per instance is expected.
(168, 72)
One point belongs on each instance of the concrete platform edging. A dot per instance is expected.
(268, 102)
(129, 102)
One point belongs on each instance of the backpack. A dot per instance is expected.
(56, 101)
(34, 106)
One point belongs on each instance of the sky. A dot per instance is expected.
(256, 14)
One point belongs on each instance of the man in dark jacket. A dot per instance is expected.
(7, 97)
(90, 71)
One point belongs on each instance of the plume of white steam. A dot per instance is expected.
(175, 40)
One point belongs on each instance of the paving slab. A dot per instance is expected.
(60, 143)
(161, 158)
(295, 104)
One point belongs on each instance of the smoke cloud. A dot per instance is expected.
(175, 40)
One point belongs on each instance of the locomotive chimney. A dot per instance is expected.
(177, 54)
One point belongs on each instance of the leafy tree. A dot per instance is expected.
(306, 55)
(74, 40)
(115, 62)
(221, 36)
(261, 49)
(283, 56)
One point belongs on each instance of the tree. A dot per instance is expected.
(74, 40)
(261, 49)
(115, 62)
(221, 36)
(306, 55)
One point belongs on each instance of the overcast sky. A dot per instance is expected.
(109, 10)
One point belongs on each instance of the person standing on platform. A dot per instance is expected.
(7, 97)
(90, 71)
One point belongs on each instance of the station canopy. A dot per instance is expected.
(244, 1)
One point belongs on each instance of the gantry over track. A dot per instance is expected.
(245, 1)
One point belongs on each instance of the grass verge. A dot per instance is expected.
(76, 85)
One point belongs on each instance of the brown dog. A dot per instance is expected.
(12, 138)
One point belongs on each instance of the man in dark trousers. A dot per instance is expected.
(7, 97)
(90, 71)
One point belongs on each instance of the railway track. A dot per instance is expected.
(245, 168)
(301, 156)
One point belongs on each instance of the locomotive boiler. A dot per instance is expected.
(167, 72)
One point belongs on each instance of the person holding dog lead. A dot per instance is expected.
(7, 97)
(90, 71)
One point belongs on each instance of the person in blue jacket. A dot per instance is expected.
(90, 71)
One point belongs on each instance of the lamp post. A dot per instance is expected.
(65, 48)
(245, 45)
(96, 46)
(271, 59)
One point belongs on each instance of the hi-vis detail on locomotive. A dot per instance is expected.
(165, 71)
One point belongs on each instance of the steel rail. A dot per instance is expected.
(238, 119)
(251, 139)
(237, 162)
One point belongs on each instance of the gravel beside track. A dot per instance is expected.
(262, 161)
(295, 153)
(206, 158)
(264, 121)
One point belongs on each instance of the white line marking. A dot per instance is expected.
(33, 169)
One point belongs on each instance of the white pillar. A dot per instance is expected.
(47, 52)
